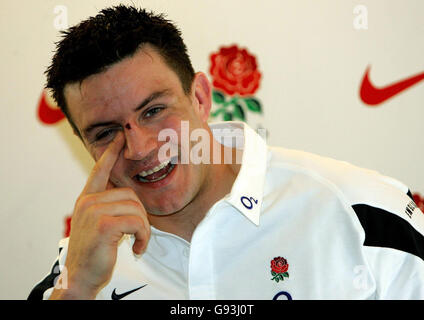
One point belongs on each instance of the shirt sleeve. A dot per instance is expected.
(44, 288)
(394, 246)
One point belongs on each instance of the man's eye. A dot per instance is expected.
(151, 112)
(104, 134)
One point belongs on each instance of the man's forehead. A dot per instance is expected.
(84, 104)
(116, 80)
(122, 85)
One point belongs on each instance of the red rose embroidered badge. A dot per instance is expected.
(235, 78)
(279, 268)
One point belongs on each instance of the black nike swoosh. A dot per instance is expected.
(116, 296)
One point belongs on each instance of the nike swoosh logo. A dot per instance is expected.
(372, 95)
(47, 114)
(116, 296)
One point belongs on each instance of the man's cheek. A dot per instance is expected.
(171, 122)
(170, 128)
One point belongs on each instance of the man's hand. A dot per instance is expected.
(102, 215)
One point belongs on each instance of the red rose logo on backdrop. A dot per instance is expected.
(419, 201)
(48, 112)
(235, 78)
(67, 220)
(279, 268)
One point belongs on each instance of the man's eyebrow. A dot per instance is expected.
(153, 96)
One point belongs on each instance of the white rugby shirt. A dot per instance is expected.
(337, 231)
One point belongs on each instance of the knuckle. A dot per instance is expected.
(146, 228)
(94, 208)
(85, 201)
(80, 200)
(103, 225)
(138, 223)
(78, 206)
(135, 204)
(134, 220)
(127, 190)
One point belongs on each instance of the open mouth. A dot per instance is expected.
(157, 173)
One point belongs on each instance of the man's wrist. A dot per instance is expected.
(73, 292)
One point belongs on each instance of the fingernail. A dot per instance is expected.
(137, 255)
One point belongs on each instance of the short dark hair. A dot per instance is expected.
(112, 35)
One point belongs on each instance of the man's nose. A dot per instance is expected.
(139, 142)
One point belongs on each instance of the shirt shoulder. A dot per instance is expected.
(383, 205)
(358, 185)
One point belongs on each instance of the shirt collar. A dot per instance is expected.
(247, 191)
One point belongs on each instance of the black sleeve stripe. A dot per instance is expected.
(47, 283)
(410, 195)
(385, 229)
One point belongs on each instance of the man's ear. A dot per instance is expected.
(201, 92)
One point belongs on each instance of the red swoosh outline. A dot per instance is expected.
(372, 95)
(47, 114)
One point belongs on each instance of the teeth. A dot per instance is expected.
(155, 169)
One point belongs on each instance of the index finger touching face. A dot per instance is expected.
(99, 177)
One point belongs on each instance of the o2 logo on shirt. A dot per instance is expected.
(248, 202)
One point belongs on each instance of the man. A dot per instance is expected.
(149, 224)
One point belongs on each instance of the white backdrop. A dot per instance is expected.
(312, 56)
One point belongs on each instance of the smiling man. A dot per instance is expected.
(152, 226)
(142, 96)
